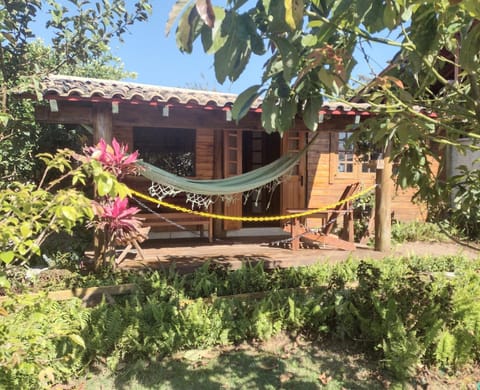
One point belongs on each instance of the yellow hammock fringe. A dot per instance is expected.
(251, 219)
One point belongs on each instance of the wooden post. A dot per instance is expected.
(102, 129)
(217, 208)
(102, 123)
(383, 203)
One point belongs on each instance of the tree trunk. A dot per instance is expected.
(383, 203)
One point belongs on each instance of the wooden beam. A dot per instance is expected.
(383, 203)
(82, 293)
(67, 114)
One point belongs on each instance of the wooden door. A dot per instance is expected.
(232, 158)
(293, 186)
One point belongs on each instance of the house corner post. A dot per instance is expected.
(102, 129)
(102, 123)
(383, 202)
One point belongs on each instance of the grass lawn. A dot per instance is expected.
(279, 363)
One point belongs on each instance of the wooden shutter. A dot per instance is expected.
(232, 157)
(293, 187)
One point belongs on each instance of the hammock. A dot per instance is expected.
(221, 187)
(201, 192)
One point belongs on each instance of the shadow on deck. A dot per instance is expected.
(188, 254)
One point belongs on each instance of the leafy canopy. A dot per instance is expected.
(81, 32)
(311, 48)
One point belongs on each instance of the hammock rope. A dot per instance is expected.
(252, 219)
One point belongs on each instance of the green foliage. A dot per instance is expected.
(465, 211)
(31, 213)
(42, 343)
(417, 231)
(314, 45)
(406, 312)
(81, 32)
(363, 209)
(397, 310)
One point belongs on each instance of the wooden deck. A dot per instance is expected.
(190, 254)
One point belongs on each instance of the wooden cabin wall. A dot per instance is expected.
(325, 184)
(204, 153)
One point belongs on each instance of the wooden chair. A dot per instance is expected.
(299, 229)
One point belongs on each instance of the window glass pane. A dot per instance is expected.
(345, 153)
(293, 144)
(366, 168)
(232, 141)
(170, 149)
(232, 155)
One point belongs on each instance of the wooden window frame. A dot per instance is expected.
(173, 134)
(357, 165)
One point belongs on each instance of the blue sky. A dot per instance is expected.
(156, 59)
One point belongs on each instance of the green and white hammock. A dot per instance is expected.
(202, 193)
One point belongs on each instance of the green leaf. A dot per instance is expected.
(309, 40)
(290, 57)
(472, 7)
(269, 114)
(7, 257)
(390, 16)
(4, 118)
(470, 49)
(373, 19)
(25, 230)
(277, 22)
(122, 190)
(256, 41)
(187, 30)
(104, 185)
(77, 340)
(424, 29)
(310, 113)
(294, 13)
(4, 282)
(69, 212)
(212, 38)
(244, 101)
(175, 12)
(327, 79)
(232, 58)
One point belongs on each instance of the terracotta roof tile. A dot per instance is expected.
(87, 88)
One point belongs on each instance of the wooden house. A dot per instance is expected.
(191, 133)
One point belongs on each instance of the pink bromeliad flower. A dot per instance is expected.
(114, 158)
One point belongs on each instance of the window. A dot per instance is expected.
(170, 149)
(345, 153)
(349, 160)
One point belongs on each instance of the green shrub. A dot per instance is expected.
(406, 312)
(417, 231)
(41, 342)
